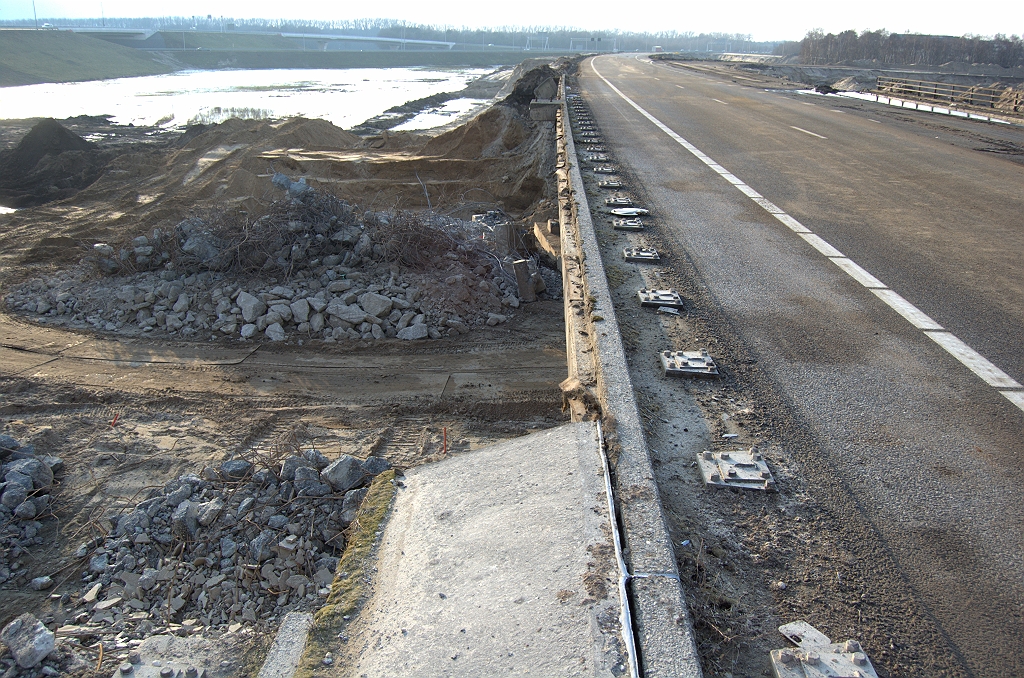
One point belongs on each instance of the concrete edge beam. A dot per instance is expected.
(663, 626)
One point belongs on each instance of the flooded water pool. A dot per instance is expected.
(345, 97)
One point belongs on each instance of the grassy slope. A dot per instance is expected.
(29, 57)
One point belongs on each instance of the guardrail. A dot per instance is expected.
(1003, 100)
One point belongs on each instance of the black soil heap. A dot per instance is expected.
(50, 163)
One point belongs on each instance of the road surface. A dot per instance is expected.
(868, 259)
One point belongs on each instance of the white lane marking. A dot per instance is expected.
(974, 361)
(793, 224)
(767, 205)
(1015, 397)
(680, 87)
(720, 101)
(750, 193)
(818, 243)
(912, 313)
(801, 129)
(807, 103)
(873, 120)
(970, 358)
(858, 273)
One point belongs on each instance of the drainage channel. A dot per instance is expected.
(599, 386)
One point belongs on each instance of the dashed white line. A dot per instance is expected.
(974, 361)
(801, 129)
(913, 315)
(873, 120)
(680, 87)
(720, 101)
(857, 273)
(967, 356)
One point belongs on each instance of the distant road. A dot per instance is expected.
(873, 262)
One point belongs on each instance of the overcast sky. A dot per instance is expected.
(775, 20)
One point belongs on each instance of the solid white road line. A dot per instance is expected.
(801, 129)
(970, 358)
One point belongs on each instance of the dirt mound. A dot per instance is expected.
(489, 134)
(523, 92)
(49, 163)
(313, 135)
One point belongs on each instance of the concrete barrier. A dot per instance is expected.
(599, 385)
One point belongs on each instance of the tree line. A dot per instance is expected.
(514, 37)
(817, 47)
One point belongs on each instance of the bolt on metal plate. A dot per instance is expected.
(598, 157)
(745, 469)
(605, 169)
(596, 149)
(618, 201)
(802, 634)
(656, 298)
(627, 224)
(688, 364)
(611, 183)
(828, 660)
(641, 254)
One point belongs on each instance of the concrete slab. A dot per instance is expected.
(497, 561)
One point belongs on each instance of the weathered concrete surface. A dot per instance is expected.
(664, 630)
(497, 561)
(288, 646)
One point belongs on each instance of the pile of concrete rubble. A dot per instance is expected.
(323, 278)
(24, 501)
(233, 549)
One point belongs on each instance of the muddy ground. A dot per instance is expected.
(128, 412)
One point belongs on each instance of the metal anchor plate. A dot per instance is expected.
(643, 254)
(688, 364)
(736, 468)
(817, 659)
(618, 201)
(605, 169)
(627, 224)
(598, 157)
(611, 183)
(656, 298)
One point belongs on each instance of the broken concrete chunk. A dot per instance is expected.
(252, 308)
(28, 640)
(344, 474)
(376, 304)
(412, 332)
(235, 469)
(375, 465)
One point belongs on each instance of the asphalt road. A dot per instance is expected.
(933, 209)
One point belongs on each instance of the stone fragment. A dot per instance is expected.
(375, 465)
(300, 311)
(344, 473)
(414, 332)
(235, 469)
(291, 464)
(259, 548)
(495, 319)
(97, 564)
(247, 331)
(306, 473)
(28, 640)
(26, 510)
(207, 512)
(181, 304)
(40, 473)
(316, 458)
(252, 307)
(375, 304)
(41, 583)
(350, 506)
(349, 313)
(275, 332)
(184, 519)
(13, 496)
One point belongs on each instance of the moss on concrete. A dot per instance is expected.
(351, 581)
